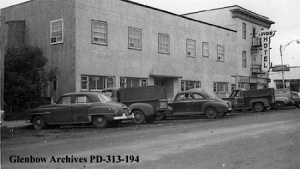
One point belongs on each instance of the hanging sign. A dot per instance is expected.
(265, 36)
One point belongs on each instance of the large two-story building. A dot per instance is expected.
(96, 44)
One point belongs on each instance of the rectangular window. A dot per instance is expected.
(221, 87)
(96, 83)
(191, 48)
(205, 49)
(163, 43)
(126, 82)
(186, 85)
(99, 32)
(56, 31)
(244, 60)
(134, 38)
(244, 31)
(221, 53)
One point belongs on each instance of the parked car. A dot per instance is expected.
(259, 99)
(142, 101)
(296, 98)
(80, 108)
(194, 102)
(283, 98)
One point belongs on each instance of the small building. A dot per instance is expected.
(291, 79)
(97, 44)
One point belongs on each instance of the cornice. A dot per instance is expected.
(251, 17)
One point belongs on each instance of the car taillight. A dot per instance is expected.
(162, 104)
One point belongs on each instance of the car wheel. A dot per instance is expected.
(279, 105)
(160, 116)
(258, 107)
(211, 113)
(38, 122)
(99, 121)
(139, 117)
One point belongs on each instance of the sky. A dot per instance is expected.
(285, 14)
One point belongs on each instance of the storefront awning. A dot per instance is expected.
(165, 76)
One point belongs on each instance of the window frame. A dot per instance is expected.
(190, 84)
(191, 48)
(244, 59)
(94, 31)
(140, 82)
(244, 30)
(52, 32)
(132, 37)
(205, 52)
(218, 85)
(220, 56)
(108, 82)
(160, 35)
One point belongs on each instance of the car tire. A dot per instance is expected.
(258, 107)
(211, 113)
(139, 117)
(160, 116)
(99, 121)
(279, 105)
(38, 122)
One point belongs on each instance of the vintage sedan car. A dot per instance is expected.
(80, 108)
(296, 98)
(194, 102)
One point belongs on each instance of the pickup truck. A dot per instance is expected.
(142, 101)
(258, 100)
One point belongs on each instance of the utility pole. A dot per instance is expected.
(282, 48)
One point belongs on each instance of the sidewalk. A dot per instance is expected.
(15, 124)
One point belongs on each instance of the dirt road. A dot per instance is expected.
(269, 140)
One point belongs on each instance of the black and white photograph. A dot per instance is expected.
(150, 84)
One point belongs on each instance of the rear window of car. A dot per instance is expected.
(103, 98)
(81, 99)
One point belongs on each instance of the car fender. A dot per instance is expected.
(146, 108)
(45, 115)
(220, 107)
(106, 111)
(285, 100)
(265, 102)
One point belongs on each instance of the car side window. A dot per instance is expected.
(198, 96)
(295, 95)
(65, 100)
(185, 96)
(81, 99)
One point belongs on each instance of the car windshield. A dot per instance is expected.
(104, 98)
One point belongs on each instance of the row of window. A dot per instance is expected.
(99, 31)
(96, 83)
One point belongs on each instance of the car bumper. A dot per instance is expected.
(124, 117)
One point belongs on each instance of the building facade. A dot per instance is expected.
(97, 44)
(248, 45)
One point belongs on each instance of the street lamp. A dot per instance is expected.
(282, 48)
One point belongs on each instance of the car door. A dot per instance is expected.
(183, 104)
(62, 114)
(80, 108)
(239, 101)
(199, 101)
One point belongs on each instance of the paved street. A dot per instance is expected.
(245, 140)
